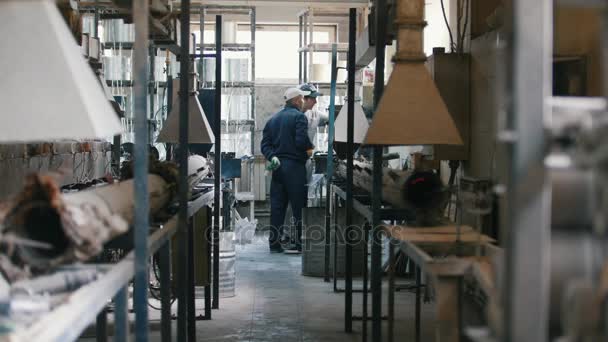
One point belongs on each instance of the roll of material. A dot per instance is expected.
(229, 30)
(115, 30)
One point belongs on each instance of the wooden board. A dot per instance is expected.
(440, 234)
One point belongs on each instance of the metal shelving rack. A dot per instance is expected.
(232, 10)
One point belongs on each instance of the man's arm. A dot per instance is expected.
(302, 140)
(267, 147)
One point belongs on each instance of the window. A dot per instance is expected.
(276, 48)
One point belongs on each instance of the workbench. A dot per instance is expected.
(446, 255)
(80, 308)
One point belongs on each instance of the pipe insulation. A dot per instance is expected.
(418, 190)
(76, 225)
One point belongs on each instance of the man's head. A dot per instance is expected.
(310, 100)
(295, 97)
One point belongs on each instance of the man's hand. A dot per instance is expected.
(309, 152)
(275, 163)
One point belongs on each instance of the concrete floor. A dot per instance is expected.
(274, 302)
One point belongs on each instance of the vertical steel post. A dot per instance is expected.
(142, 207)
(164, 255)
(101, 326)
(330, 152)
(300, 79)
(376, 259)
(121, 315)
(190, 288)
(151, 86)
(201, 31)
(305, 54)
(218, 161)
(350, 131)
(418, 298)
(365, 280)
(182, 235)
(527, 232)
(190, 255)
(391, 291)
(336, 236)
(252, 90)
(208, 231)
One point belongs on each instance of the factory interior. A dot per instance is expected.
(324, 170)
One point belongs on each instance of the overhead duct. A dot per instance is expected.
(199, 131)
(411, 111)
(54, 98)
(361, 124)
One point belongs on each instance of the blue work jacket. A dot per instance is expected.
(286, 135)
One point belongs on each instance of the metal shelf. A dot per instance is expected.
(129, 83)
(162, 44)
(237, 122)
(225, 84)
(66, 322)
(319, 47)
(227, 47)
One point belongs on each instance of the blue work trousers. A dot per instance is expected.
(288, 186)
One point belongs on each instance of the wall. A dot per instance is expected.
(268, 101)
(577, 33)
(69, 162)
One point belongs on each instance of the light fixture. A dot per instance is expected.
(360, 128)
(411, 110)
(47, 90)
(199, 130)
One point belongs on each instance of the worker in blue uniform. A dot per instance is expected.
(286, 145)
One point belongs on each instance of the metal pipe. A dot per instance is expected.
(348, 297)
(182, 236)
(376, 261)
(142, 205)
(218, 162)
(121, 315)
(330, 151)
(164, 255)
(527, 229)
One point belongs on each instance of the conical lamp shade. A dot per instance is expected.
(341, 124)
(411, 111)
(47, 90)
(199, 131)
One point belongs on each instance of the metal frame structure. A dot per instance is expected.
(90, 300)
(240, 10)
(527, 222)
(307, 47)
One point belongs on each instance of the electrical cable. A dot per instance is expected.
(445, 18)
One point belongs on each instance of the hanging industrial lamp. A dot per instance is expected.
(47, 90)
(411, 110)
(199, 130)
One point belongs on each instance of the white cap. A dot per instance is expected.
(290, 93)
